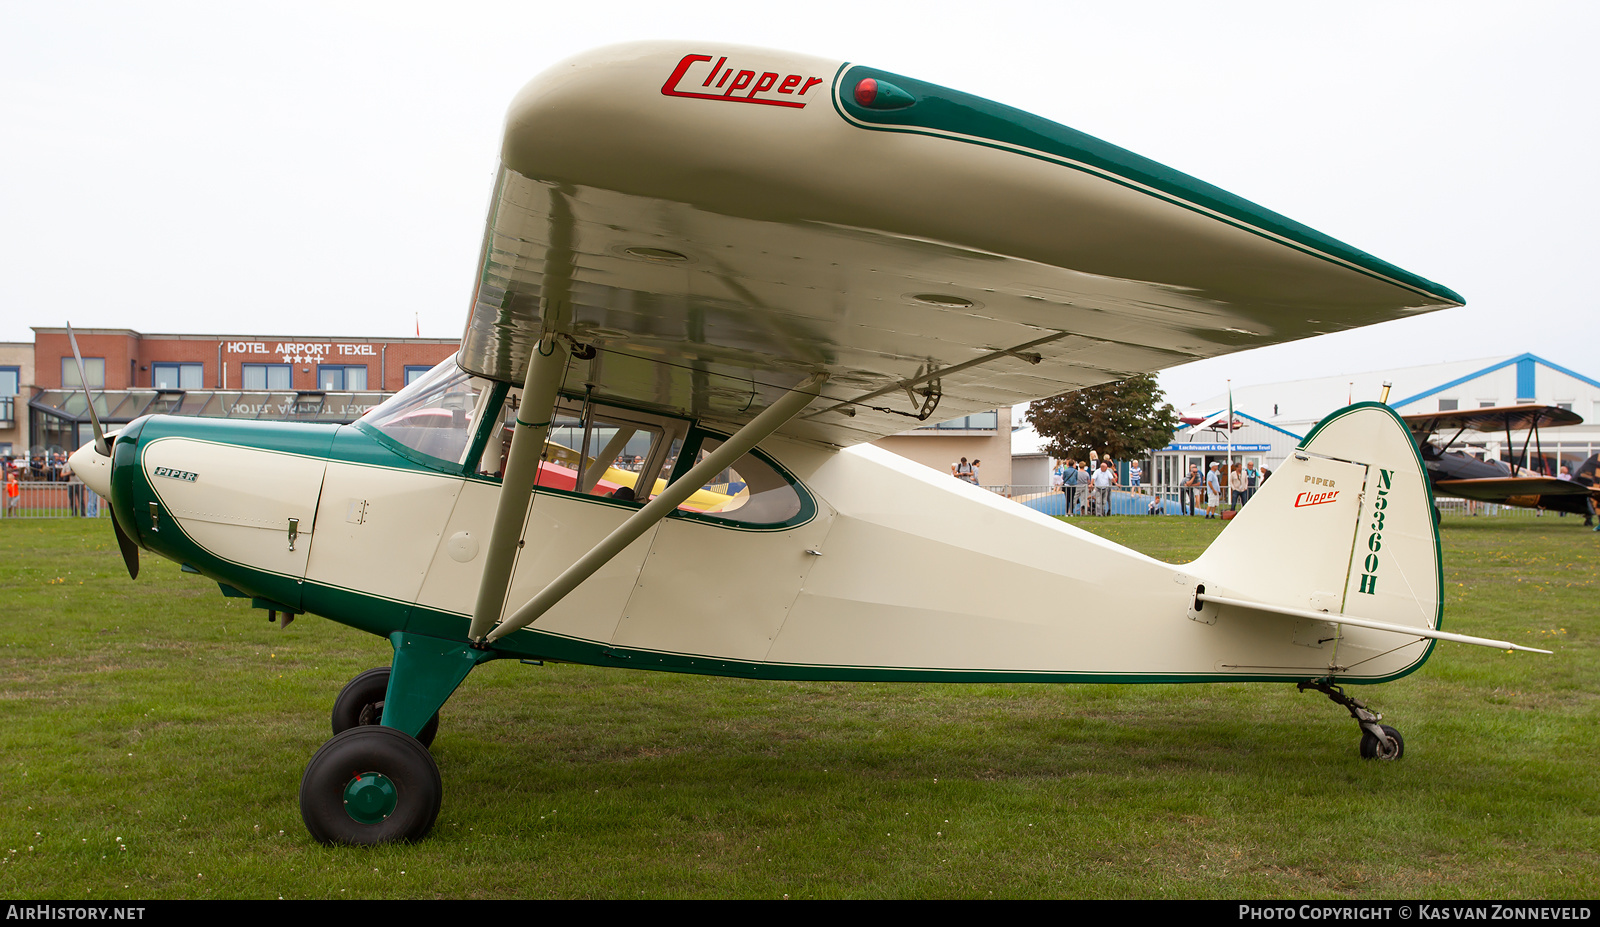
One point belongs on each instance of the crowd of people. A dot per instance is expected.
(1216, 490)
(1087, 486)
(47, 468)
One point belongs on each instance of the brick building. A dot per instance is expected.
(16, 371)
(285, 377)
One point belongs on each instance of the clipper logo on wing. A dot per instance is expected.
(704, 78)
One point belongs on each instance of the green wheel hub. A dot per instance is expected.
(369, 785)
(370, 798)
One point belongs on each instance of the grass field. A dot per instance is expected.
(155, 734)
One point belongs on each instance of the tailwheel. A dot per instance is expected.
(1392, 748)
(361, 702)
(370, 785)
(1378, 741)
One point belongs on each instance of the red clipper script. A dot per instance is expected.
(1315, 498)
(705, 78)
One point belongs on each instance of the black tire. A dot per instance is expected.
(1369, 745)
(361, 702)
(374, 754)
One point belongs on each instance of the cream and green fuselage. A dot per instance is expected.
(892, 571)
(704, 237)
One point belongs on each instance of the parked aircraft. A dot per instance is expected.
(1460, 474)
(722, 271)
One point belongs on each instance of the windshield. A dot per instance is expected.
(434, 415)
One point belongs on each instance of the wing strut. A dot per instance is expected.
(1020, 352)
(658, 508)
(522, 471)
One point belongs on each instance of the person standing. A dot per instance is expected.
(1187, 489)
(1213, 490)
(1069, 486)
(1236, 487)
(1134, 476)
(1252, 480)
(1104, 479)
(963, 471)
(74, 491)
(13, 493)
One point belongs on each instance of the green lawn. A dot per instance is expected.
(156, 733)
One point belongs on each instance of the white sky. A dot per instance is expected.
(323, 168)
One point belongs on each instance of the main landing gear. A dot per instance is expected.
(375, 781)
(370, 784)
(1378, 741)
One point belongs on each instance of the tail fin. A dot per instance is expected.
(1344, 527)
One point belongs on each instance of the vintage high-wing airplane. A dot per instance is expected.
(717, 272)
(1458, 474)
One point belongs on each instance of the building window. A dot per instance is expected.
(267, 376)
(349, 377)
(413, 373)
(10, 383)
(1564, 406)
(94, 368)
(978, 421)
(1486, 403)
(1449, 405)
(177, 376)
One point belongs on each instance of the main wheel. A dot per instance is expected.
(1371, 749)
(370, 785)
(361, 702)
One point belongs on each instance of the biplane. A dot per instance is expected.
(710, 277)
(1464, 476)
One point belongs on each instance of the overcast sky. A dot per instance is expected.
(324, 168)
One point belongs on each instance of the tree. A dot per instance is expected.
(1125, 419)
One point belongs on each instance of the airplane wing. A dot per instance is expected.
(721, 222)
(1492, 420)
(1502, 489)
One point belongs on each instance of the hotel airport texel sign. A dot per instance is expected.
(302, 352)
(1219, 448)
(298, 352)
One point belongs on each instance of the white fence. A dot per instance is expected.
(51, 499)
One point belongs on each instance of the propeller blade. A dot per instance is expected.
(94, 417)
(130, 550)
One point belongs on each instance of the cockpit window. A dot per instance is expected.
(603, 455)
(592, 449)
(751, 491)
(435, 414)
